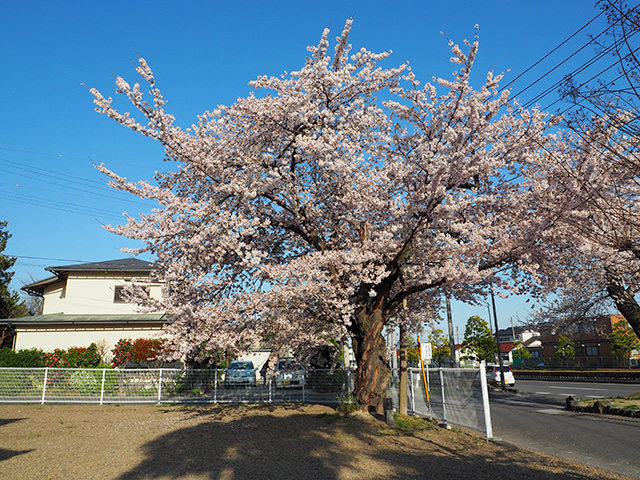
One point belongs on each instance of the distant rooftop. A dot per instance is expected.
(122, 265)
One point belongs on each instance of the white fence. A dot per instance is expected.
(456, 396)
(66, 385)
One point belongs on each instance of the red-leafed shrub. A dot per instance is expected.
(145, 350)
(140, 350)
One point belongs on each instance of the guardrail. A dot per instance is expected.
(630, 376)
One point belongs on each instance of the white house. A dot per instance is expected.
(84, 304)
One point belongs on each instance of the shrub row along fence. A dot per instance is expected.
(163, 385)
(454, 396)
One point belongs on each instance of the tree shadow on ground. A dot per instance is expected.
(256, 442)
(7, 454)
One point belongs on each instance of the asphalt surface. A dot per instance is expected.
(535, 418)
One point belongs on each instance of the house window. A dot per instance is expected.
(592, 351)
(118, 296)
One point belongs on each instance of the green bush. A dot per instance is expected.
(81, 357)
(6, 357)
(111, 378)
(14, 383)
(347, 404)
(85, 382)
(22, 358)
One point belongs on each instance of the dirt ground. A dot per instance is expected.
(252, 442)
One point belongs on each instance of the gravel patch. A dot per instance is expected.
(252, 442)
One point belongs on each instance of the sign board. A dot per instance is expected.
(426, 352)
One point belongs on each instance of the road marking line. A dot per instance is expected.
(579, 388)
(542, 393)
(595, 396)
(549, 411)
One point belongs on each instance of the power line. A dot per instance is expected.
(60, 206)
(47, 258)
(554, 50)
(580, 69)
(10, 168)
(11, 163)
(56, 155)
(585, 65)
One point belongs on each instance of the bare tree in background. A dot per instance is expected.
(598, 181)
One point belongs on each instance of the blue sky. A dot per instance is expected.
(203, 54)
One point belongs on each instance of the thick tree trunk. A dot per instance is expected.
(372, 375)
(625, 302)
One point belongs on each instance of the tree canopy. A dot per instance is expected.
(314, 209)
(624, 340)
(10, 304)
(478, 341)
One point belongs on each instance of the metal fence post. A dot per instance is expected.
(444, 408)
(411, 389)
(104, 373)
(303, 382)
(159, 386)
(44, 387)
(485, 401)
(215, 388)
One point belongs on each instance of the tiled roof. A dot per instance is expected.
(61, 318)
(123, 265)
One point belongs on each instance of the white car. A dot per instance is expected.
(289, 374)
(494, 376)
(240, 373)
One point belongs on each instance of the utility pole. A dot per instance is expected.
(495, 319)
(402, 403)
(452, 340)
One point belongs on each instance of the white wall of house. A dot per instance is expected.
(63, 338)
(92, 294)
(528, 335)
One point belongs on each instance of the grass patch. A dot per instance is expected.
(629, 402)
(409, 424)
(330, 417)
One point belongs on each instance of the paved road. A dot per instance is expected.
(557, 391)
(535, 418)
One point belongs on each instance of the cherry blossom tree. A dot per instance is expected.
(337, 200)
